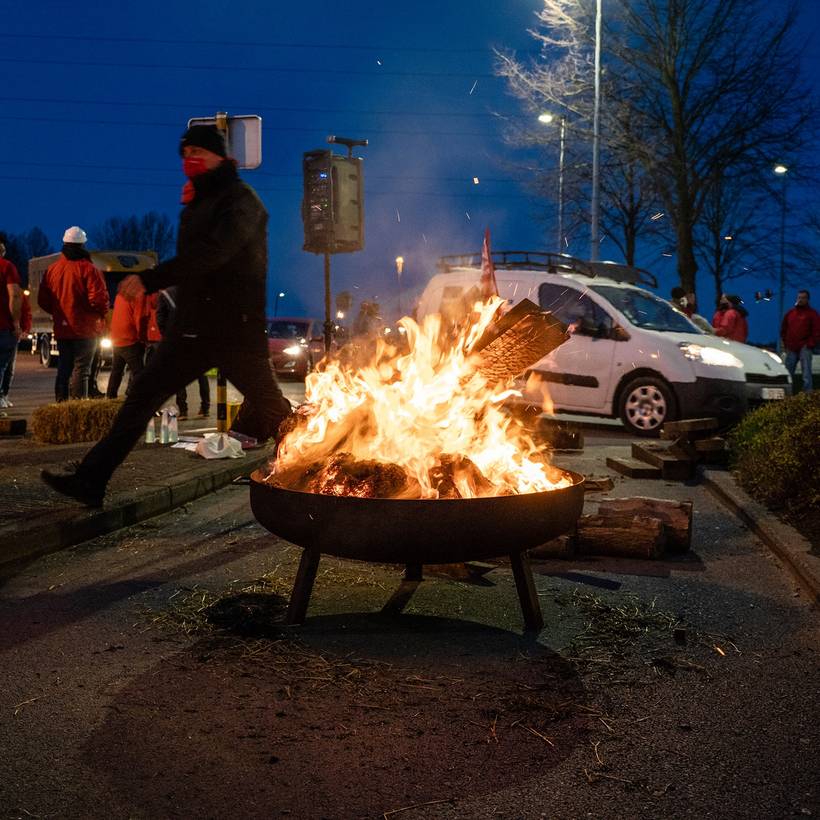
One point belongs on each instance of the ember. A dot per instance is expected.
(425, 421)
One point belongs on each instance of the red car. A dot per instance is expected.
(295, 345)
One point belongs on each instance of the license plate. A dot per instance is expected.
(772, 393)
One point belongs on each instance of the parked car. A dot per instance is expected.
(295, 345)
(631, 355)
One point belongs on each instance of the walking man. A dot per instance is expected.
(220, 272)
(800, 334)
(73, 291)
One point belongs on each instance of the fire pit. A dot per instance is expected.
(408, 457)
(416, 531)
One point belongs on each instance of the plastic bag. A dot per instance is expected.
(219, 445)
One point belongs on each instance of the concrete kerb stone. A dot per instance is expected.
(784, 541)
(54, 531)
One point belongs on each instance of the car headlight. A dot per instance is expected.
(709, 355)
(105, 343)
(774, 356)
(294, 350)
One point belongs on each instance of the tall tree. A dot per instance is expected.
(712, 90)
(24, 246)
(561, 82)
(718, 88)
(152, 231)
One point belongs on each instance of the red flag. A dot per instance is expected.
(489, 287)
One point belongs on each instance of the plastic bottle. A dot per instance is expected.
(151, 430)
(163, 427)
(173, 424)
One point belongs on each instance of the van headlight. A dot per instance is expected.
(105, 343)
(294, 350)
(709, 355)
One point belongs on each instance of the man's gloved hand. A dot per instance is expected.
(132, 287)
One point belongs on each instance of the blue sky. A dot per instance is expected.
(96, 96)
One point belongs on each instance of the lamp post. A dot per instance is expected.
(596, 138)
(279, 295)
(547, 118)
(399, 268)
(781, 170)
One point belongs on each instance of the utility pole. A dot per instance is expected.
(596, 138)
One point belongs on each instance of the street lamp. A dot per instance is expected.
(596, 139)
(399, 268)
(280, 295)
(781, 170)
(547, 118)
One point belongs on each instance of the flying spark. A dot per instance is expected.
(475, 180)
(398, 215)
(473, 88)
(467, 214)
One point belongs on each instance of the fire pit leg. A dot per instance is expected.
(530, 606)
(302, 587)
(401, 597)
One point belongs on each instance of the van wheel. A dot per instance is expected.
(646, 403)
(46, 359)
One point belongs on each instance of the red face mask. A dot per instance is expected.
(193, 167)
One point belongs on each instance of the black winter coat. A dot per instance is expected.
(221, 262)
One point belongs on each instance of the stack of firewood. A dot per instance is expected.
(635, 527)
(684, 445)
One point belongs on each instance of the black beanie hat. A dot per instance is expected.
(208, 137)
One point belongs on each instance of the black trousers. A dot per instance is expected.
(74, 368)
(174, 364)
(132, 356)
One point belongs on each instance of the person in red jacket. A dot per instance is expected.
(73, 291)
(800, 334)
(729, 320)
(128, 331)
(9, 316)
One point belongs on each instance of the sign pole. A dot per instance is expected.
(328, 322)
(222, 382)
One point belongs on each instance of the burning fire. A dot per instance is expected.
(422, 409)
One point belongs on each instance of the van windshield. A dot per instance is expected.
(646, 310)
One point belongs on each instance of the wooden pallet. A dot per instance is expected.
(675, 464)
(633, 468)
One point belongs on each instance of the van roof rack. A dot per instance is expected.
(553, 263)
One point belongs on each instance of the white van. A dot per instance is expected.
(631, 355)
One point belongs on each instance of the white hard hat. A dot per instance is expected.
(75, 235)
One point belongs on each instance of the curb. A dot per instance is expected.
(56, 531)
(784, 541)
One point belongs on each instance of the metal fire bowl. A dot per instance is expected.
(432, 531)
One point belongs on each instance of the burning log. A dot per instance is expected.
(453, 470)
(517, 341)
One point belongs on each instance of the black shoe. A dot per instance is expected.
(70, 484)
(204, 412)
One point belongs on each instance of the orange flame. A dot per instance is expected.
(412, 407)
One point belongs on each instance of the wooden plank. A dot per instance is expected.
(632, 536)
(675, 515)
(12, 427)
(675, 465)
(561, 547)
(633, 468)
(710, 445)
(688, 428)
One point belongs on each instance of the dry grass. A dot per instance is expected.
(74, 421)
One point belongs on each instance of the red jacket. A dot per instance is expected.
(129, 321)
(8, 276)
(731, 324)
(74, 293)
(152, 331)
(25, 315)
(800, 328)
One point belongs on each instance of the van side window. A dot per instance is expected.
(576, 309)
